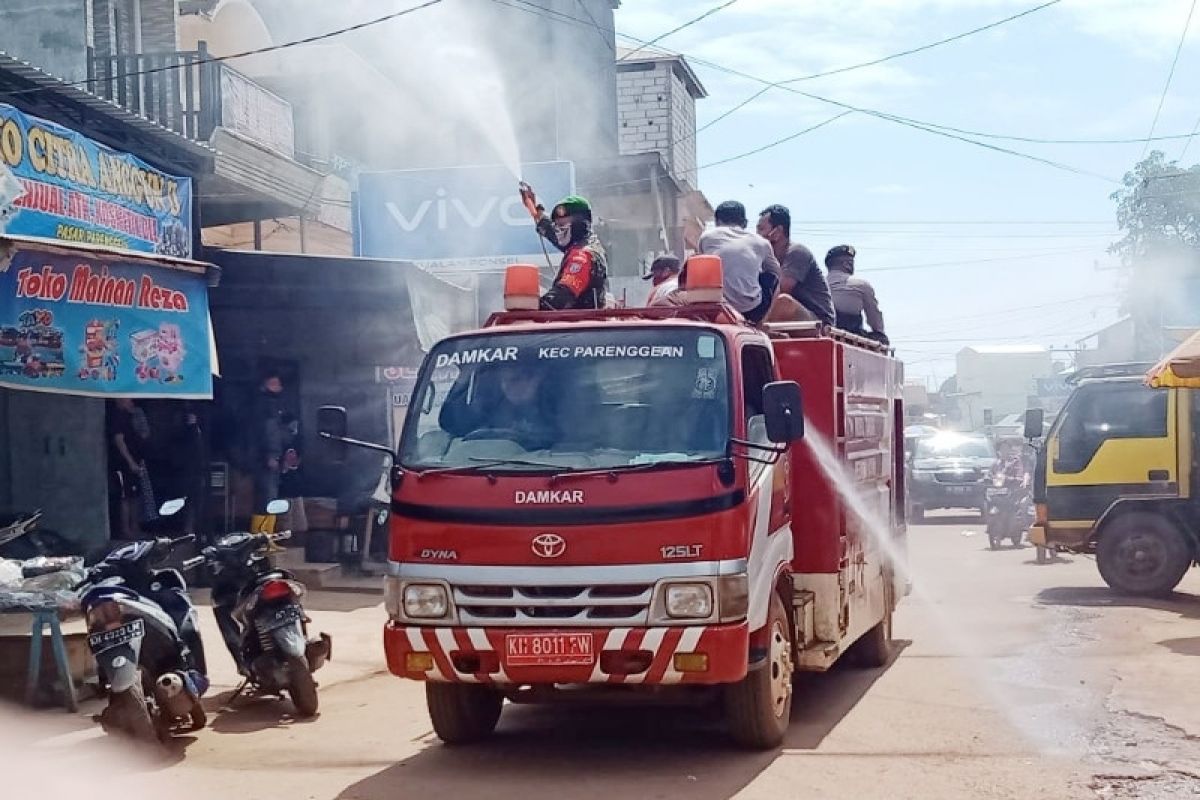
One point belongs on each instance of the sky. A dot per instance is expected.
(914, 203)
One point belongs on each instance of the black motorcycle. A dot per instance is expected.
(258, 611)
(142, 630)
(21, 538)
(1009, 510)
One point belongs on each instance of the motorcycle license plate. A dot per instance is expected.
(106, 640)
(548, 649)
(285, 615)
(960, 490)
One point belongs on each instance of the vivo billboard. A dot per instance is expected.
(453, 213)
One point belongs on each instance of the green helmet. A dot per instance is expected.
(573, 204)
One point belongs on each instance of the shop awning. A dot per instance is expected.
(85, 320)
(1180, 368)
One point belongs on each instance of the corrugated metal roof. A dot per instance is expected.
(44, 80)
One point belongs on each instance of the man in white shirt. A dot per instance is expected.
(665, 274)
(749, 268)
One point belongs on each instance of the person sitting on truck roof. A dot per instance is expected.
(801, 279)
(665, 274)
(582, 280)
(750, 270)
(853, 297)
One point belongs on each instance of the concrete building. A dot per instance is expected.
(993, 381)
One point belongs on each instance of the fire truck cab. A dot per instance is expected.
(635, 500)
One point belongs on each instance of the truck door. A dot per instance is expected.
(1112, 439)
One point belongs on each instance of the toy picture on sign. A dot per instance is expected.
(32, 348)
(100, 353)
(159, 353)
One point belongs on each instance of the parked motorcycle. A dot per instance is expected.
(142, 630)
(1009, 510)
(262, 622)
(21, 538)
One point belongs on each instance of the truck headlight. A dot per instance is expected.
(689, 600)
(425, 601)
(735, 597)
(391, 596)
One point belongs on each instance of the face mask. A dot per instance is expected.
(562, 233)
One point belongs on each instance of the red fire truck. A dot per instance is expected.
(633, 500)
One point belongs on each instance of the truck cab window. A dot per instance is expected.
(1102, 412)
(757, 372)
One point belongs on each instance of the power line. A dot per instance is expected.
(775, 143)
(877, 61)
(678, 28)
(1188, 143)
(736, 157)
(603, 34)
(942, 131)
(1170, 76)
(956, 222)
(258, 51)
(936, 264)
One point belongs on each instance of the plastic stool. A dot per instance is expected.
(41, 620)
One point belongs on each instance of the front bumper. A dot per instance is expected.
(477, 655)
(931, 494)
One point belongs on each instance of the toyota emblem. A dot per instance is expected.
(548, 545)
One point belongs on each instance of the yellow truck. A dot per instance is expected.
(1116, 477)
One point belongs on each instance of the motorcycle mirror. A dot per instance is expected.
(171, 507)
(278, 507)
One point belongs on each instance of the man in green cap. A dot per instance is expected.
(582, 279)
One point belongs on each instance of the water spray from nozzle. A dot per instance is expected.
(536, 210)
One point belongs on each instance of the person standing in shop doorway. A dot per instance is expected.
(128, 437)
(274, 443)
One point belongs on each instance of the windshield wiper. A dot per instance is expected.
(649, 465)
(486, 463)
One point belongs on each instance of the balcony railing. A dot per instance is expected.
(190, 94)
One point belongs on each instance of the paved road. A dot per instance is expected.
(1013, 680)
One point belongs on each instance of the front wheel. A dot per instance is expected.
(302, 687)
(759, 707)
(1143, 553)
(463, 712)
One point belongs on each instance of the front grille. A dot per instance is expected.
(970, 476)
(563, 605)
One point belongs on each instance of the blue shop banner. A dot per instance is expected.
(57, 184)
(103, 324)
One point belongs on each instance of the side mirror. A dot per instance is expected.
(277, 507)
(331, 422)
(784, 410)
(332, 427)
(1035, 419)
(171, 507)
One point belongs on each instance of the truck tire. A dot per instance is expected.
(463, 712)
(758, 708)
(874, 649)
(1143, 553)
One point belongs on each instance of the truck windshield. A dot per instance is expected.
(954, 447)
(578, 400)
(1102, 411)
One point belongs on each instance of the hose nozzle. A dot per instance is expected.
(530, 200)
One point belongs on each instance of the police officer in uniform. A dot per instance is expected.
(853, 298)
